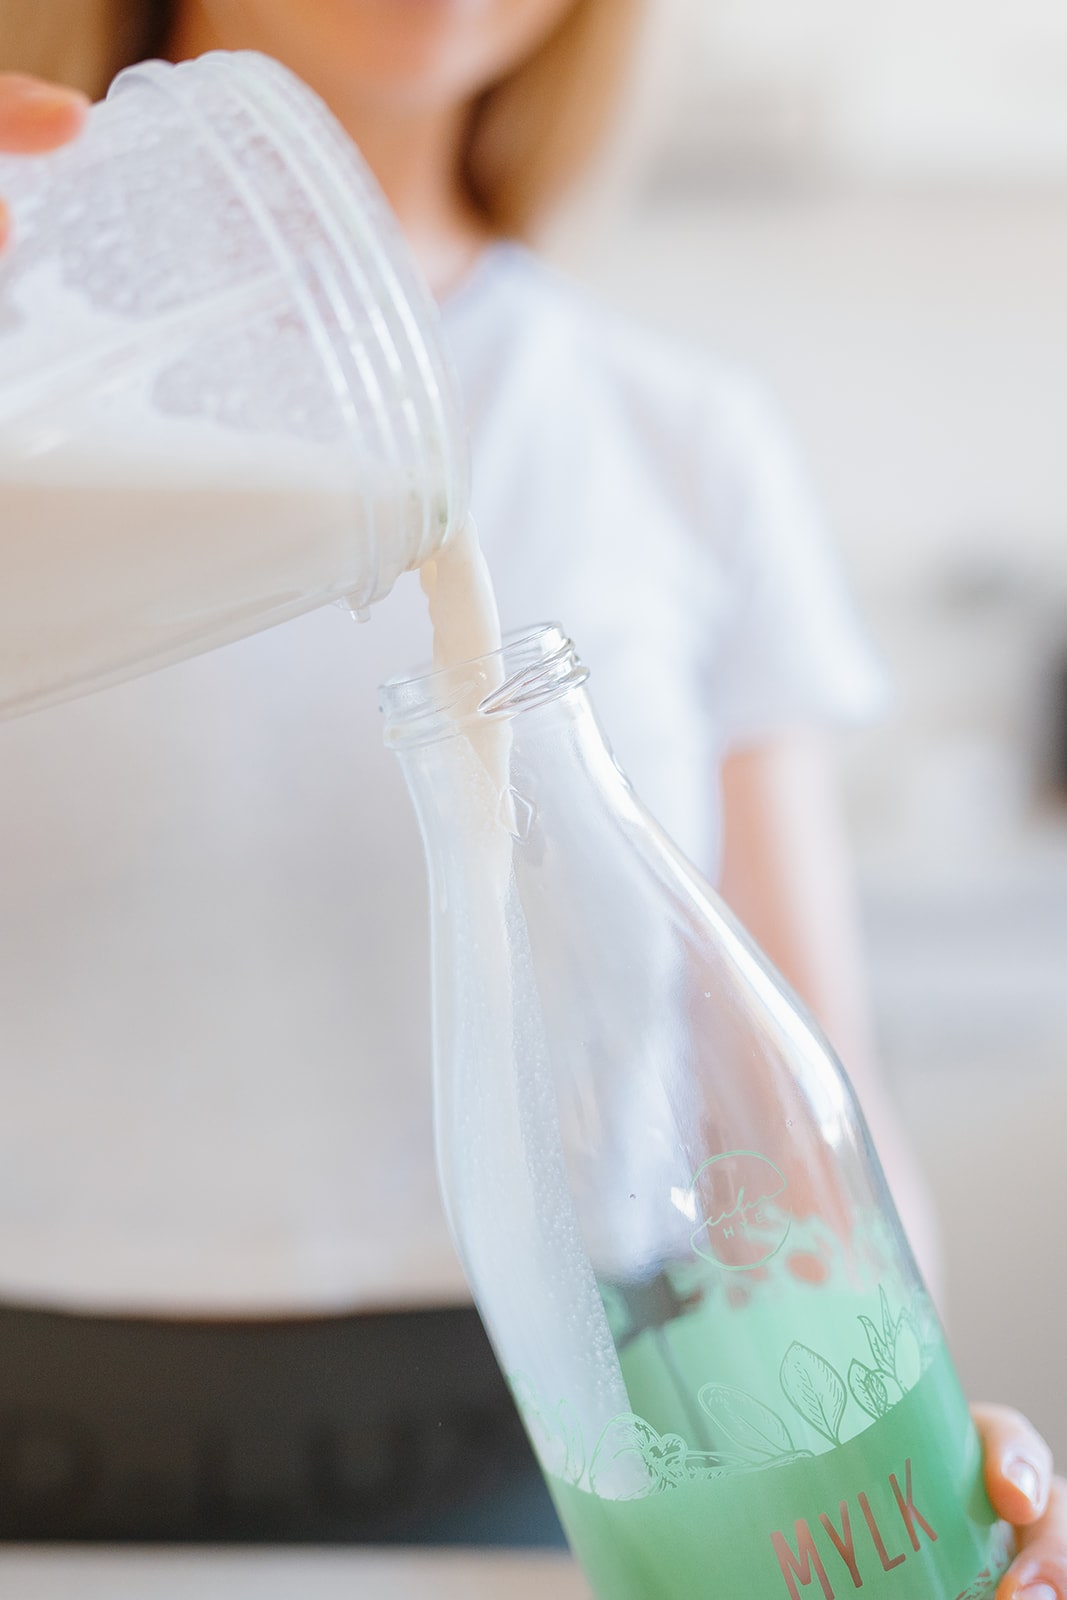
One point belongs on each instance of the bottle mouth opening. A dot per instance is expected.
(533, 665)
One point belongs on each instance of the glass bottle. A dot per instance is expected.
(662, 1189)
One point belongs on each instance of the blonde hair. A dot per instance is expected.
(535, 134)
(532, 135)
(82, 43)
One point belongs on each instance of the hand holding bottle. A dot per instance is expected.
(35, 117)
(1023, 1490)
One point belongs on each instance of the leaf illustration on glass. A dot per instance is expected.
(815, 1389)
(872, 1389)
(907, 1355)
(555, 1433)
(889, 1326)
(666, 1458)
(571, 1429)
(702, 1466)
(881, 1353)
(756, 1433)
(656, 1461)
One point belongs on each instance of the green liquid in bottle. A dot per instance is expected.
(788, 1439)
(716, 1540)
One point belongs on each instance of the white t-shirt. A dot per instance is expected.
(214, 1018)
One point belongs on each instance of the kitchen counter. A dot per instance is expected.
(50, 1572)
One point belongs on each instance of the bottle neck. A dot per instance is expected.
(532, 668)
(491, 746)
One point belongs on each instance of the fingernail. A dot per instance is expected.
(1037, 1591)
(1026, 1478)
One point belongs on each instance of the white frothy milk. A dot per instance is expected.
(538, 1263)
(129, 557)
(466, 626)
(463, 608)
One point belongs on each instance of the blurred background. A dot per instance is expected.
(869, 206)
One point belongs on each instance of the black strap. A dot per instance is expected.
(386, 1428)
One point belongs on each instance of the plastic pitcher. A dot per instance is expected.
(223, 395)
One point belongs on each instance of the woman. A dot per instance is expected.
(231, 817)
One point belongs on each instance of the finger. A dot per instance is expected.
(37, 116)
(1018, 1464)
(5, 224)
(1039, 1571)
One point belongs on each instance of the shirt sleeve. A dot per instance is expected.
(793, 650)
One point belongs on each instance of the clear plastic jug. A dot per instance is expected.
(223, 395)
